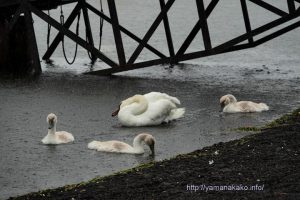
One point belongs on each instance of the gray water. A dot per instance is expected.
(269, 73)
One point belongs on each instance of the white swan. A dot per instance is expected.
(54, 137)
(229, 104)
(121, 147)
(153, 108)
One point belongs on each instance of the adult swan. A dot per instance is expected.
(150, 109)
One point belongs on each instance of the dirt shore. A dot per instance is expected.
(263, 165)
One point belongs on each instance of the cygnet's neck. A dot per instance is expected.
(138, 144)
(232, 99)
(52, 131)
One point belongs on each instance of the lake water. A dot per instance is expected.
(269, 73)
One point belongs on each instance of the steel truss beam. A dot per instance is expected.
(181, 55)
(117, 32)
(63, 30)
(167, 30)
(126, 31)
(151, 30)
(231, 45)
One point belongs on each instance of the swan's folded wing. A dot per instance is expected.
(160, 110)
(155, 96)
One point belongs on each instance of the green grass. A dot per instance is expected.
(285, 119)
(101, 179)
(249, 129)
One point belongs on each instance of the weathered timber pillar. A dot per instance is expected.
(4, 44)
(18, 49)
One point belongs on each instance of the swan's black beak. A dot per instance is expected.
(116, 112)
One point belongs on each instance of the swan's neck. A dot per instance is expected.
(139, 106)
(232, 100)
(135, 106)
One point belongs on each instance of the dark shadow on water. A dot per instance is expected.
(51, 147)
(161, 126)
(145, 158)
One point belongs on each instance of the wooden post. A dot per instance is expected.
(33, 58)
(19, 53)
(4, 44)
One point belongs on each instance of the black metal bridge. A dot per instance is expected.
(244, 41)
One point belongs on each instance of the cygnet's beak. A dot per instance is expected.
(50, 126)
(116, 112)
(152, 149)
(222, 106)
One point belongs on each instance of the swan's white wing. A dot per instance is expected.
(155, 96)
(158, 111)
